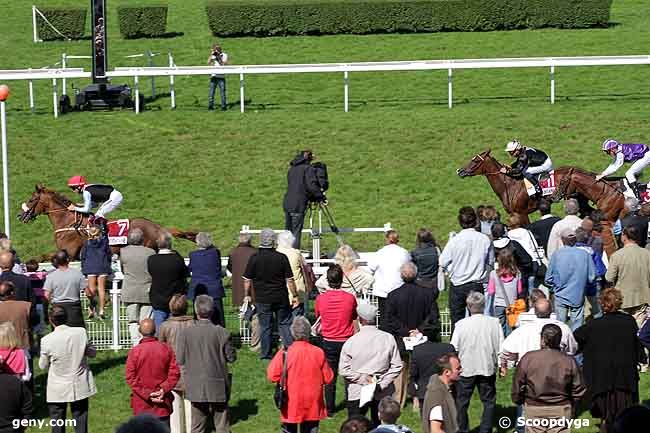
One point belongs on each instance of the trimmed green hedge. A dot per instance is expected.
(367, 16)
(142, 21)
(69, 21)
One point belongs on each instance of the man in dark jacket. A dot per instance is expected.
(21, 283)
(168, 277)
(204, 351)
(541, 228)
(634, 219)
(302, 187)
(411, 311)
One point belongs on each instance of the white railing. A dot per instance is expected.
(345, 68)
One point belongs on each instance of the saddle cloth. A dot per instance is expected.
(547, 184)
(117, 232)
(644, 194)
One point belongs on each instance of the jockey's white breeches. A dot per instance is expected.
(636, 168)
(114, 200)
(544, 168)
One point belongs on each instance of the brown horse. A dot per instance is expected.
(70, 226)
(606, 195)
(511, 192)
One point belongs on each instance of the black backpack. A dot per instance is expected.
(320, 171)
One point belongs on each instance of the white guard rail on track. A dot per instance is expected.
(344, 68)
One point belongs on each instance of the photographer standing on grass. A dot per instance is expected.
(217, 58)
(303, 186)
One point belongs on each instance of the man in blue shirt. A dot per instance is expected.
(569, 272)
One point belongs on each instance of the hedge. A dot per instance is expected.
(142, 21)
(278, 17)
(69, 21)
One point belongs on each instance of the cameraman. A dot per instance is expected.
(217, 58)
(302, 187)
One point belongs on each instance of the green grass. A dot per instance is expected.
(391, 159)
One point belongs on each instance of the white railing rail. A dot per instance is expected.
(345, 68)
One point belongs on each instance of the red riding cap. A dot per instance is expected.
(77, 181)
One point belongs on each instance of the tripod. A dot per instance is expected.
(316, 232)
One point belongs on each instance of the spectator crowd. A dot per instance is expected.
(540, 300)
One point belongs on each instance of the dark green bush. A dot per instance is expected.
(69, 21)
(142, 21)
(386, 16)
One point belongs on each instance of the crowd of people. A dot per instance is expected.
(542, 300)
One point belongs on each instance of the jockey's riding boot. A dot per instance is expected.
(635, 189)
(538, 189)
(102, 223)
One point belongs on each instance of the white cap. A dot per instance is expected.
(513, 145)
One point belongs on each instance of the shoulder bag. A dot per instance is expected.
(513, 310)
(540, 268)
(280, 394)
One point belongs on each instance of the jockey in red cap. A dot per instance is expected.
(93, 194)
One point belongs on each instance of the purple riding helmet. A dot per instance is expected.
(609, 144)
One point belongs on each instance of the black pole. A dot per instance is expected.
(99, 41)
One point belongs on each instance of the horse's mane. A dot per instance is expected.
(58, 197)
(583, 171)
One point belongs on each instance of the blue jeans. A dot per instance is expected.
(159, 316)
(500, 313)
(294, 221)
(566, 312)
(265, 313)
(214, 83)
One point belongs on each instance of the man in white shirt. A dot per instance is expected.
(466, 258)
(571, 221)
(477, 339)
(385, 264)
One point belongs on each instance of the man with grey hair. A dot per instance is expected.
(297, 262)
(205, 267)
(477, 340)
(411, 312)
(269, 273)
(370, 356)
(237, 262)
(569, 272)
(570, 221)
(204, 350)
(137, 282)
(168, 277)
(634, 219)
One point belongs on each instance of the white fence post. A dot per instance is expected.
(35, 30)
(55, 99)
(137, 95)
(449, 88)
(172, 91)
(30, 85)
(115, 300)
(552, 84)
(346, 90)
(241, 91)
(63, 80)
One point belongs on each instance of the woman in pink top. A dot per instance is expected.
(504, 287)
(13, 359)
(337, 311)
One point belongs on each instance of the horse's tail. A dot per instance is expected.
(180, 234)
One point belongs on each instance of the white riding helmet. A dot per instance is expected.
(513, 145)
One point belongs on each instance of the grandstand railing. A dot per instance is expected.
(345, 68)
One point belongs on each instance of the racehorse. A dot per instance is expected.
(512, 192)
(607, 196)
(70, 227)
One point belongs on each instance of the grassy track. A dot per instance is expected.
(392, 158)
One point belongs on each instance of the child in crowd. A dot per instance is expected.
(96, 266)
(487, 215)
(389, 412)
(37, 279)
(504, 287)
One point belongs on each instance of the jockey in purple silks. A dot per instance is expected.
(637, 154)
